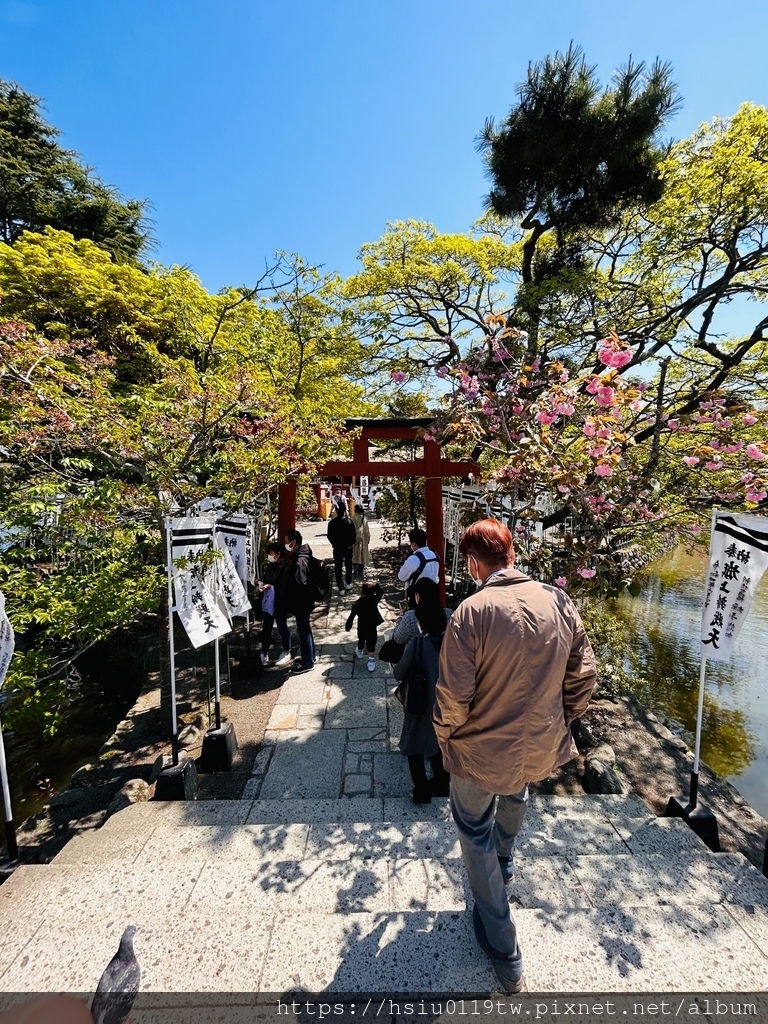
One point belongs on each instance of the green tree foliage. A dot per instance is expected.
(43, 185)
(569, 157)
(628, 407)
(127, 396)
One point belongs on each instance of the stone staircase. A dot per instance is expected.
(364, 894)
(325, 877)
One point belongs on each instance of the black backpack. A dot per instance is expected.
(417, 572)
(318, 579)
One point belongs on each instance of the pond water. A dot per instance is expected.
(663, 622)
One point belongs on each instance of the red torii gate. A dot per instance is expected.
(432, 466)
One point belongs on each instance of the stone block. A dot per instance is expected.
(357, 785)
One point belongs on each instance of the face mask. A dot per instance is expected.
(271, 558)
(476, 579)
(288, 548)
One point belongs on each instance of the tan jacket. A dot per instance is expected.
(516, 668)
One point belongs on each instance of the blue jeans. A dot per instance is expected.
(486, 836)
(306, 640)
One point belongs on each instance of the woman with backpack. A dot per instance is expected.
(418, 667)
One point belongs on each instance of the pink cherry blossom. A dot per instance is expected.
(603, 469)
(597, 451)
(690, 460)
(673, 424)
(594, 386)
(614, 352)
(589, 428)
(695, 528)
(546, 417)
(565, 409)
(561, 581)
(755, 453)
(753, 495)
(748, 478)
(398, 375)
(713, 465)
(748, 419)
(606, 397)
(586, 574)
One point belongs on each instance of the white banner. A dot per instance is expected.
(251, 559)
(193, 584)
(233, 530)
(738, 558)
(7, 640)
(230, 592)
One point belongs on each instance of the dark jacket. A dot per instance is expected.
(278, 575)
(417, 735)
(366, 610)
(341, 533)
(298, 596)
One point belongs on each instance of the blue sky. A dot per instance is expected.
(256, 126)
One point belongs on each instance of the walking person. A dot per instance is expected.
(273, 587)
(417, 736)
(361, 555)
(421, 562)
(299, 599)
(369, 618)
(341, 534)
(516, 669)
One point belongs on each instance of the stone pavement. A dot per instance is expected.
(325, 877)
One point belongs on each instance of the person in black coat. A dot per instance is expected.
(342, 534)
(417, 737)
(273, 593)
(299, 599)
(369, 618)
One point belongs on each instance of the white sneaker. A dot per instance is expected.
(371, 665)
(284, 659)
(359, 653)
(264, 658)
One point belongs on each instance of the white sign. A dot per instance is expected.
(230, 592)
(7, 640)
(232, 532)
(193, 582)
(251, 552)
(738, 558)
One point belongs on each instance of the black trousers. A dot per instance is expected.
(440, 781)
(342, 558)
(366, 639)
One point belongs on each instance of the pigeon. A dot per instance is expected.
(118, 984)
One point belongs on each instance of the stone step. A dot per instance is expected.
(263, 844)
(361, 809)
(362, 926)
(329, 881)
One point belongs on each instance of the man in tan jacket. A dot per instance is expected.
(516, 668)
